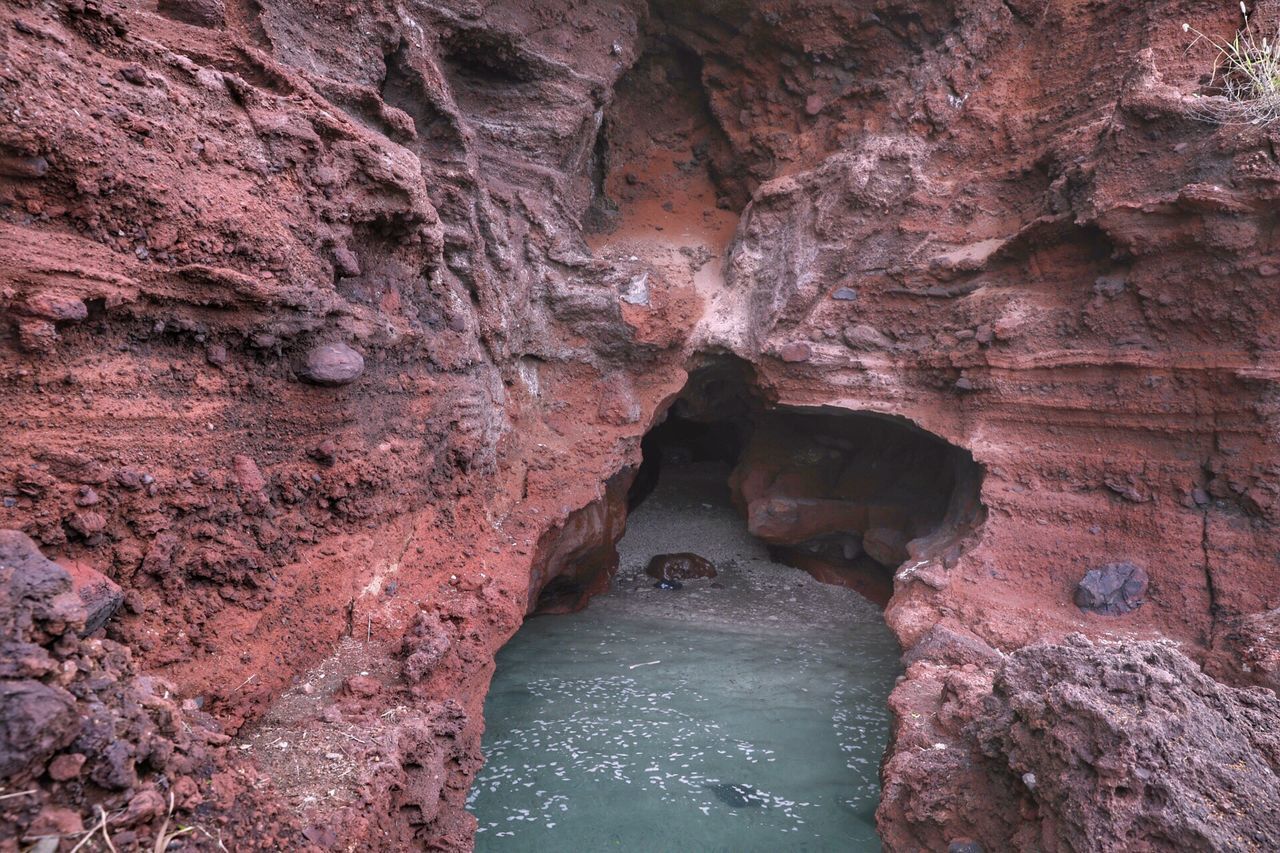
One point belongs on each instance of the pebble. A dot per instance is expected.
(332, 365)
(795, 351)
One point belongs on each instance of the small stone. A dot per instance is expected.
(23, 167)
(66, 767)
(845, 294)
(148, 803)
(362, 686)
(59, 309)
(332, 365)
(953, 646)
(248, 475)
(128, 479)
(135, 74)
(796, 351)
(345, 262)
(86, 496)
(864, 337)
(38, 719)
(326, 452)
(54, 821)
(1109, 286)
(37, 336)
(216, 355)
(813, 105)
(135, 603)
(115, 767)
(88, 524)
(100, 595)
(668, 585)
(964, 846)
(964, 384)
(680, 567)
(1112, 590)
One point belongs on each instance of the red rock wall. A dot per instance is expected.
(998, 220)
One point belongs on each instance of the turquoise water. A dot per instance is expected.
(741, 716)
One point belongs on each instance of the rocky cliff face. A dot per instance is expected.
(337, 326)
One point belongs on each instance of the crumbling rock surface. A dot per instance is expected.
(1125, 745)
(531, 221)
(1080, 745)
(83, 729)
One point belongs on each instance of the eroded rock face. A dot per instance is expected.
(534, 230)
(1130, 744)
(79, 710)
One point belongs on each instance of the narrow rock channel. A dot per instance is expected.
(741, 712)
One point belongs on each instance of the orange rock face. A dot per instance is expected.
(330, 332)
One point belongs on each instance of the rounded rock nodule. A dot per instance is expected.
(332, 365)
(679, 567)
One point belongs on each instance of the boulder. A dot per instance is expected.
(680, 567)
(1129, 745)
(1112, 590)
(332, 365)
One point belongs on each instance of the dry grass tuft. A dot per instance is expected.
(1246, 74)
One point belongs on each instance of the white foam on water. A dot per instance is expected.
(582, 756)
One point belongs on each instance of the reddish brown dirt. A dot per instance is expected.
(998, 220)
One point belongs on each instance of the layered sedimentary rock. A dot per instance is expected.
(342, 323)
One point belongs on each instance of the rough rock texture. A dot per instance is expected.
(1083, 746)
(1127, 745)
(1112, 590)
(76, 709)
(531, 219)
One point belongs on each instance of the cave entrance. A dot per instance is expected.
(846, 496)
(744, 710)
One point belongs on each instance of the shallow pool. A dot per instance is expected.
(744, 713)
